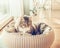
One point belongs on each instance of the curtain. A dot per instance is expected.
(10, 8)
(4, 10)
(16, 8)
(4, 6)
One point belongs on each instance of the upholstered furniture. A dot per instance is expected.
(15, 40)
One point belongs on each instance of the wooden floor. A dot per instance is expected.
(56, 26)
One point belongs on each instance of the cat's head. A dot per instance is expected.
(25, 21)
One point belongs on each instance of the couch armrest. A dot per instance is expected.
(5, 22)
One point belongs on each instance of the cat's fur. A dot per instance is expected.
(26, 22)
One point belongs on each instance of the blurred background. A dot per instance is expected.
(47, 10)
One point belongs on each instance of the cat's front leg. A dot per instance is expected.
(17, 22)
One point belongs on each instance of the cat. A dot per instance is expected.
(26, 26)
